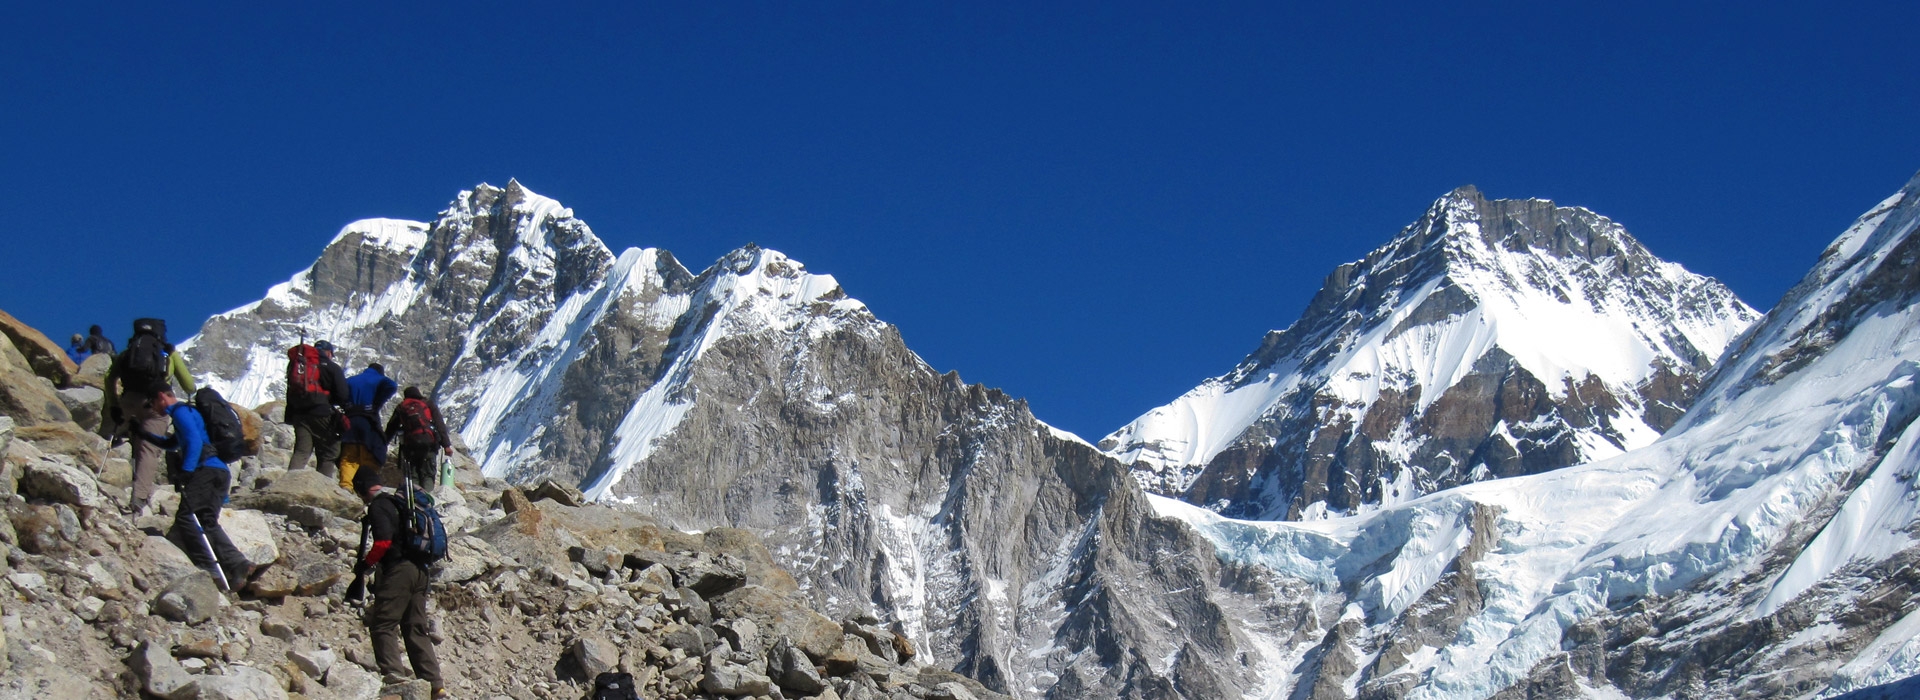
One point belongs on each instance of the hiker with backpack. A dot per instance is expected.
(203, 486)
(97, 342)
(316, 389)
(132, 384)
(418, 425)
(407, 538)
(364, 445)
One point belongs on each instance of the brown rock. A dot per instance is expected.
(66, 439)
(512, 501)
(25, 396)
(93, 372)
(46, 357)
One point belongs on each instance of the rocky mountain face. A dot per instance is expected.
(1764, 549)
(1491, 338)
(757, 395)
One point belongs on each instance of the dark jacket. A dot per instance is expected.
(383, 528)
(98, 344)
(362, 430)
(397, 424)
(190, 438)
(334, 380)
(369, 390)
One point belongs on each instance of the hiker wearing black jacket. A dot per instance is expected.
(400, 585)
(420, 429)
(316, 418)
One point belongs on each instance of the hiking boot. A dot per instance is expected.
(138, 508)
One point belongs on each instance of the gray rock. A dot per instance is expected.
(727, 678)
(62, 483)
(305, 487)
(741, 633)
(694, 609)
(85, 403)
(791, 668)
(812, 632)
(595, 655)
(558, 493)
(692, 639)
(241, 683)
(309, 517)
(190, 599)
(160, 674)
(251, 535)
(165, 561)
(313, 661)
(410, 690)
(951, 691)
(6, 434)
(351, 682)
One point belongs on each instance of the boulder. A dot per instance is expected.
(513, 501)
(165, 562)
(190, 599)
(251, 535)
(25, 396)
(694, 609)
(47, 358)
(273, 411)
(85, 403)
(756, 560)
(812, 632)
(594, 655)
(61, 482)
(951, 691)
(727, 678)
(6, 434)
(707, 574)
(93, 372)
(350, 682)
(790, 667)
(559, 493)
(305, 487)
(756, 602)
(160, 675)
(40, 529)
(467, 558)
(69, 440)
(312, 661)
(241, 683)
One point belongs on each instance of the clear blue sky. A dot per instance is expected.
(1092, 205)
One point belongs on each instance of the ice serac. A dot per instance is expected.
(1763, 548)
(758, 394)
(1491, 338)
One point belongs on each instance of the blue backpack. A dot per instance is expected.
(425, 540)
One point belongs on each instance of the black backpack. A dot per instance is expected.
(423, 536)
(613, 685)
(223, 425)
(144, 364)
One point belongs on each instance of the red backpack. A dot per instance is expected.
(303, 375)
(416, 422)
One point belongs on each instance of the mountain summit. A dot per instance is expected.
(1490, 338)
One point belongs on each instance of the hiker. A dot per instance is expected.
(400, 586)
(77, 349)
(135, 379)
(97, 342)
(312, 407)
(363, 444)
(418, 425)
(196, 525)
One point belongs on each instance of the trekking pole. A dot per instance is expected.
(218, 572)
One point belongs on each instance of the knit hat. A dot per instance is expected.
(367, 478)
(413, 392)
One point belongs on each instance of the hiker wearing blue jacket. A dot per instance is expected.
(196, 526)
(362, 444)
(77, 349)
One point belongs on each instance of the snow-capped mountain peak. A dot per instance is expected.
(1561, 335)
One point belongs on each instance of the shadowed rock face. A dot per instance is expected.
(1434, 362)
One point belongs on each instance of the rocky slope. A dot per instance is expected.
(1763, 549)
(758, 395)
(1491, 338)
(541, 592)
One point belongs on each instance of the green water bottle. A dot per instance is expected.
(446, 473)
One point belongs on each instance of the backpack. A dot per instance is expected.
(613, 685)
(424, 539)
(416, 423)
(144, 365)
(224, 433)
(303, 376)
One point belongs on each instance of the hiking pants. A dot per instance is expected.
(354, 456)
(318, 436)
(199, 512)
(399, 610)
(137, 410)
(418, 464)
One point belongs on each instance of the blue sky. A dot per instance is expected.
(1092, 205)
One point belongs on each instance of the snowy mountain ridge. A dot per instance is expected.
(1748, 541)
(1475, 288)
